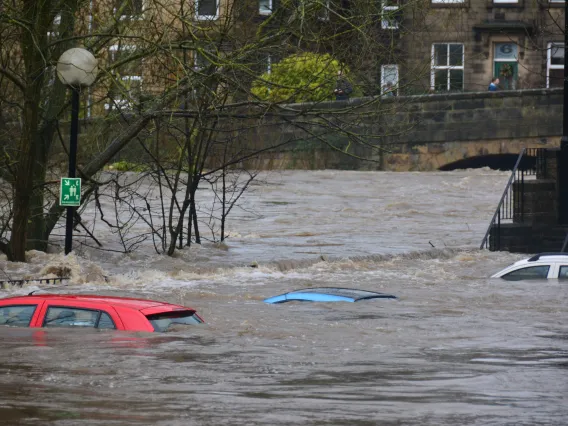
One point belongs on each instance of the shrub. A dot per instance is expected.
(305, 77)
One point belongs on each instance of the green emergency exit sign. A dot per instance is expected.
(70, 192)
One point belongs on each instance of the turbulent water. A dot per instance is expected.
(457, 348)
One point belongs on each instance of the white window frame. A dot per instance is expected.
(384, 81)
(207, 17)
(130, 17)
(549, 65)
(196, 66)
(387, 24)
(121, 102)
(448, 67)
(56, 23)
(122, 47)
(265, 12)
(506, 1)
(323, 14)
(447, 1)
(506, 59)
(556, 1)
(268, 67)
(89, 102)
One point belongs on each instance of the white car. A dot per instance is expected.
(540, 266)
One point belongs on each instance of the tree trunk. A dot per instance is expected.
(27, 147)
(35, 239)
(24, 181)
(55, 103)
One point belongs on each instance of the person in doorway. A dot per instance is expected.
(389, 89)
(494, 85)
(343, 87)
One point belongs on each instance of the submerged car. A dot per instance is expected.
(328, 294)
(100, 312)
(538, 267)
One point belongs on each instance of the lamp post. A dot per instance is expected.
(76, 68)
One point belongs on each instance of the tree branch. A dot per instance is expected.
(13, 78)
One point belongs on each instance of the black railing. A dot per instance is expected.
(531, 162)
(5, 283)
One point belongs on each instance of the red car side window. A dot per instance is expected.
(17, 315)
(68, 316)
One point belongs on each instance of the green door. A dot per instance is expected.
(507, 73)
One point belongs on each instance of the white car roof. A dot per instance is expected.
(537, 259)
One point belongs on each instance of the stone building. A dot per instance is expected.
(462, 44)
(415, 47)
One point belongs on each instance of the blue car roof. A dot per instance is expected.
(328, 294)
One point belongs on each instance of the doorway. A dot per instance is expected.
(506, 65)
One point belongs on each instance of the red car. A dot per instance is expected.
(102, 312)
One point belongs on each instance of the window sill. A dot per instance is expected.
(206, 18)
(450, 5)
(462, 5)
(131, 17)
(505, 5)
(118, 106)
(136, 16)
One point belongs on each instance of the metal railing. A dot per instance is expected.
(530, 162)
(5, 283)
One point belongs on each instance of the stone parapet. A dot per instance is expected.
(431, 131)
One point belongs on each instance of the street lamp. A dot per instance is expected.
(76, 68)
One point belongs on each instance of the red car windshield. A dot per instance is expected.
(167, 320)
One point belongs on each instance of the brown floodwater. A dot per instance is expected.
(456, 348)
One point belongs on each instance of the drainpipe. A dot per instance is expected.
(564, 140)
(562, 165)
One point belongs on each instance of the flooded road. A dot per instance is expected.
(457, 348)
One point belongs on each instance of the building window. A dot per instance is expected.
(265, 7)
(389, 80)
(389, 14)
(556, 1)
(555, 65)
(323, 13)
(207, 9)
(200, 61)
(506, 65)
(128, 9)
(447, 67)
(55, 27)
(127, 86)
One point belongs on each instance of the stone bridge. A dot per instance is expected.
(447, 131)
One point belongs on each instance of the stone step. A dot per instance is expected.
(524, 238)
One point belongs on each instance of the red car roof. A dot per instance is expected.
(138, 304)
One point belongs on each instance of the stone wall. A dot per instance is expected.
(436, 130)
(416, 132)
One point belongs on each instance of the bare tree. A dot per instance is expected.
(174, 93)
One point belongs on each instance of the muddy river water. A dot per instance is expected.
(457, 348)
